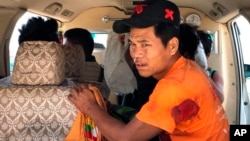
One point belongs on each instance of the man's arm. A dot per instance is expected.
(110, 127)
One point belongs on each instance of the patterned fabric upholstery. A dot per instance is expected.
(75, 66)
(39, 63)
(31, 113)
(79, 71)
(33, 107)
(74, 61)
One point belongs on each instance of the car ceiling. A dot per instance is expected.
(67, 10)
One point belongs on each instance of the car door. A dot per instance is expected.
(240, 28)
(9, 16)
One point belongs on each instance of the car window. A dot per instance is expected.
(15, 34)
(241, 32)
(243, 27)
(99, 37)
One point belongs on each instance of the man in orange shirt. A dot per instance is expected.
(183, 106)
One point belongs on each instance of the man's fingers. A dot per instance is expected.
(83, 86)
(78, 89)
(75, 91)
(73, 94)
(71, 97)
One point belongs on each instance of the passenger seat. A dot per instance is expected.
(34, 106)
(79, 71)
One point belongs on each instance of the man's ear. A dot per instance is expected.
(173, 44)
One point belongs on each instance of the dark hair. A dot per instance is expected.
(189, 41)
(206, 41)
(38, 29)
(83, 37)
(165, 32)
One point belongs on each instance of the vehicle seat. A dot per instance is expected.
(39, 63)
(77, 68)
(35, 106)
(74, 61)
(79, 71)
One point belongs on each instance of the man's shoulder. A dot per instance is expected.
(168, 85)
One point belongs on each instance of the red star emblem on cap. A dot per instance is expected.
(139, 8)
(169, 14)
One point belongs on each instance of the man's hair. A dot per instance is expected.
(165, 32)
(189, 41)
(206, 41)
(38, 29)
(81, 36)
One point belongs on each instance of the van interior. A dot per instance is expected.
(226, 21)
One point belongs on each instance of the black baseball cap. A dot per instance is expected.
(148, 14)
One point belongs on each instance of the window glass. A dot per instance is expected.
(100, 38)
(244, 30)
(242, 33)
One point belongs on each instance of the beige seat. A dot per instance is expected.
(39, 63)
(74, 61)
(79, 71)
(34, 106)
(77, 68)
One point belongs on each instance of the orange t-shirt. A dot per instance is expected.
(185, 106)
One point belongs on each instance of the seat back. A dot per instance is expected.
(35, 105)
(39, 63)
(74, 61)
(77, 68)
(35, 112)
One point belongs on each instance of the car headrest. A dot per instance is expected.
(39, 63)
(74, 60)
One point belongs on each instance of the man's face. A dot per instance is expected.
(150, 56)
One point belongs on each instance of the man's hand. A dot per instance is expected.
(83, 98)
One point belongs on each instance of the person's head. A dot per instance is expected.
(154, 36)
(206, 40)
(189, 41)
(39, 29)
(83, 37)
